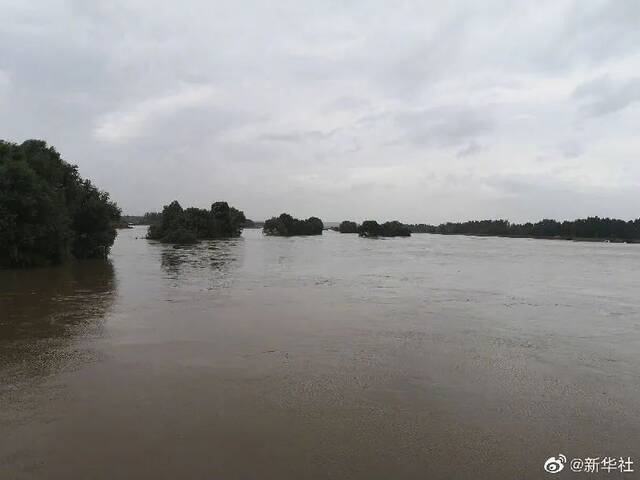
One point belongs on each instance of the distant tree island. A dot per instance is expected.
(48, 212)
(347, 226)
(286, 226)
(187, 226)
(591, 228)
(371, 228)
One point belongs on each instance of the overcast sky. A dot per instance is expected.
(418, 111)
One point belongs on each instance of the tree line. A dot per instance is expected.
(587, 228)
(371, 228)
(48, 212)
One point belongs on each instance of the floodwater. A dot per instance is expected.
(329, 357)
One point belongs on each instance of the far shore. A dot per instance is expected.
(572, 239)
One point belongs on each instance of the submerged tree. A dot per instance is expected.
(176, 225)
(348, 227)
(422, 228)
(48, 213)
(395, 229)
(371, 228)
(286, 226)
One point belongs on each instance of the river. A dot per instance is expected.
(321, 357)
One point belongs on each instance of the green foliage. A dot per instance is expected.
(481, 227)
(422, 228)
(286, 226)
(176, 225)
(348, 227)
(151, 218)
(93, 220)
(371, 228)
(395, 229)
(48, 213)
(585, 228)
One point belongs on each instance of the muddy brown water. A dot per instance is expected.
(329, 357)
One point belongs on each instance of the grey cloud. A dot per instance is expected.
(444, 127)
(571, 149)
(472, 148)
(603, 95)
(600, 30)
(347, 103)
(297, 136)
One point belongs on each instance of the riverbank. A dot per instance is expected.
(571, 239)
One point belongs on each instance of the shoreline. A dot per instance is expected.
(571, 239)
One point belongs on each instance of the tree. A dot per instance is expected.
(582, 228)
(177, 225)
(313, 226)
(48, 213)
(394, 229)
(151, 218)
(286, 226)
(348, 227)
(369, 228)
(92, 222)
(422, 228)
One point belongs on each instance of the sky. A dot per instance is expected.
(421, 111)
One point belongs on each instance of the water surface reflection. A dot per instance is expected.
(42, 310)
(211, 261)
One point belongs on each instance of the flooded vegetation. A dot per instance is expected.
(583, 229)
(188, 226)
(287, 226)
(49, 214)
(371, 228)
